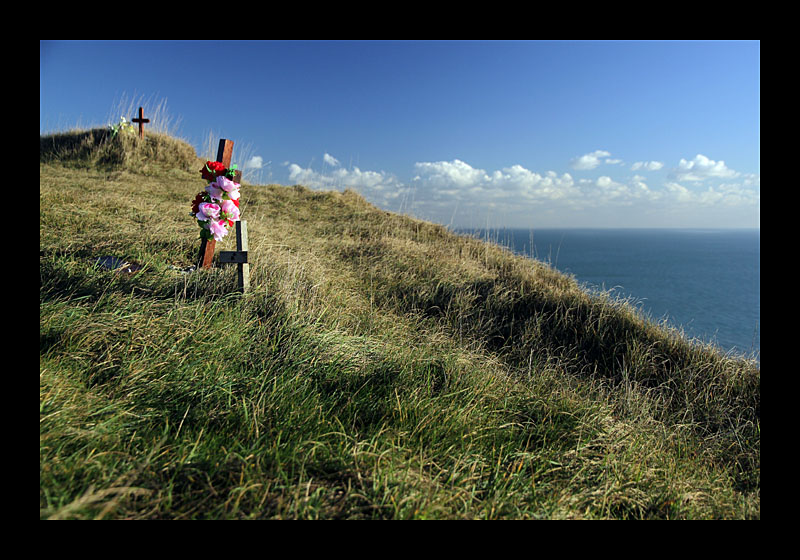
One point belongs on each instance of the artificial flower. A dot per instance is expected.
(229, 209)
(216, 166)
(201, 197)
(223, 189)
(226, 184)
(123, 124)
(214, 191)
(207, 210)
(212, 169)
(217, 229)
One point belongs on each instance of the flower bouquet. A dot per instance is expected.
(217, 207)
(122, 125)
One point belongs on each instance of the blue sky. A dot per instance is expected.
(533, 134)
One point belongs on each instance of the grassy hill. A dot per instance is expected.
(381, 367)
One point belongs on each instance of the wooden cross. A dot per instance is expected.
(207, 246)
(141, 120)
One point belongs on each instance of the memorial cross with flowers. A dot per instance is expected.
(217, 209)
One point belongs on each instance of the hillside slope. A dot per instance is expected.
(381, 367)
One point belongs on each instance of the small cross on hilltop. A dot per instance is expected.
(141, 120)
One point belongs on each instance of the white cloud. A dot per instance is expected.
(378, 187)
(330, 160)
(339, 179)
(752, 180)
(590, 161)
(517, 187)
(678, 192)
(728, 195)
(647, 165)
(605, 190)
(255, 162)
(516, 183)
(640, 188)
(454, 173)
(734, 194)
(701, 168)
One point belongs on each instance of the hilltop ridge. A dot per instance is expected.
(381, 367)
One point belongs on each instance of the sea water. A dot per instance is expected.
(703, 281)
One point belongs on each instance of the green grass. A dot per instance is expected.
(381, 367)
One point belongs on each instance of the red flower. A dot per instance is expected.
(200, 198)
(216, 169)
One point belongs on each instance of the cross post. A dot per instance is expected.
(239, 256)
(141, 120)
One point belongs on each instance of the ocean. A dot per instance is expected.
(704, 281)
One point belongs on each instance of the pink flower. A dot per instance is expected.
(214, 191)
(207, 210)
(229, 209)
(217, 229)
(223, 186)
(226, 184)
